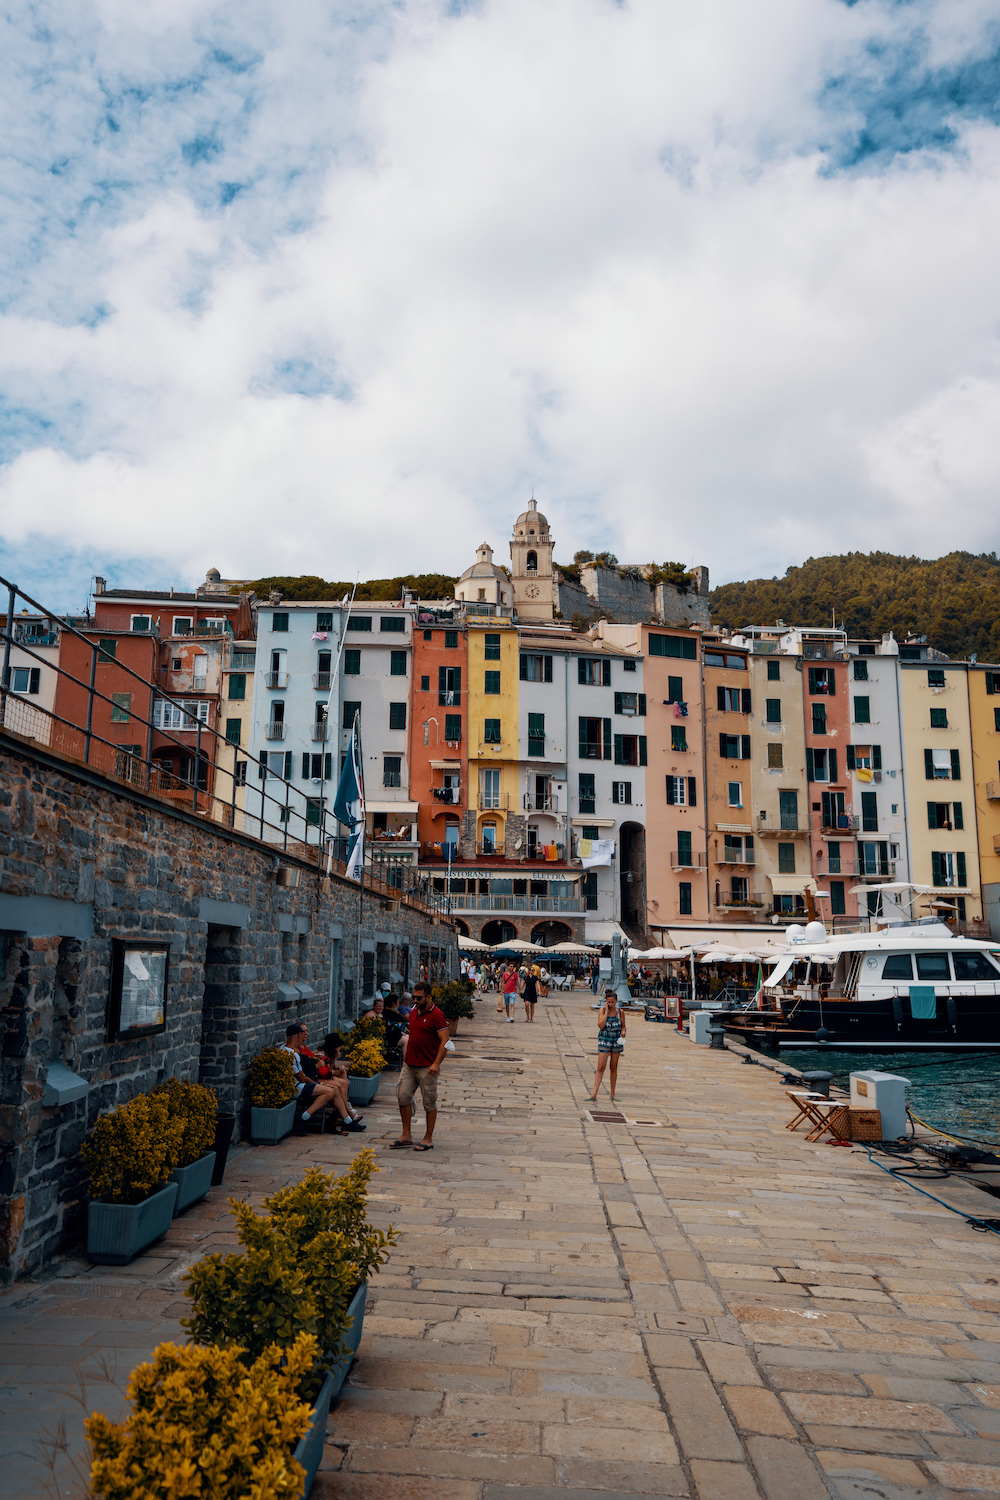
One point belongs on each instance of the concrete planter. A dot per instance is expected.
(363, 1090)
(309, 1449)
(268, 1126)
(193, 1181)
(116, 1232)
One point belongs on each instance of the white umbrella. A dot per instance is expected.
(471, 945)
(572, 948)
(519, 946)
(661, 953)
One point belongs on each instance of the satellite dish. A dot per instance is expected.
(814, 932)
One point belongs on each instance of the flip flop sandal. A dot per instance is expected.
(400, 1145)
(421, 1147)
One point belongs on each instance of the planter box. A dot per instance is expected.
(193, 1181)
(268, 1126)
(116, 1232)
(309, 1449)
(363, 1090)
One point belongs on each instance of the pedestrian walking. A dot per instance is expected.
(529, 993)
(508, 993)
(426, 1043)
(595, 974)
(610, 1035)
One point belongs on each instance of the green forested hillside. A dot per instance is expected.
(307, 586)
(953, 600)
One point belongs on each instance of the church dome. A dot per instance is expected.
(531, 521)
(484, 566)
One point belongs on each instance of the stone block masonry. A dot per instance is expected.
(627, 599)
(83, 862)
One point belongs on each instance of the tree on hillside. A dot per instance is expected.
(307, 586)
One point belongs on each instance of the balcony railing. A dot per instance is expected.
(752, 900)
(734, 857)
(322, 680)
(276, 680)
(844, 825)
(116, 622)
(540, 804)
(493, 802)
(489, 849)
(321, 730)
(276, 730)
(687, 859)
(518, 903)
(23, 635)
(784, 823)
(886, 870)
(390, 778)
(993, 791)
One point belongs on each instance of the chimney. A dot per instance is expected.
(99, 585)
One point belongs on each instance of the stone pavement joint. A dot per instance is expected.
(712, 1307)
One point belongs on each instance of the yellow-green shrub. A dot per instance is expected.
(204, 1424)
(366, 1028)
(365, 1059)
(272, 1079)
(303, 1262)
(133, 1149)
(196, 1108)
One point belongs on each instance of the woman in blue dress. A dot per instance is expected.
(610, 1035)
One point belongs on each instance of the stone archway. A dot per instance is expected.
(463, 927)
(547, 934)
(498, 931)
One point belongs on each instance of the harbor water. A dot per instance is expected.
(959, 1095)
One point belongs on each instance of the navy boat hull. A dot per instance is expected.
(959, 1022)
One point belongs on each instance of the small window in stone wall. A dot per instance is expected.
(137, 1003)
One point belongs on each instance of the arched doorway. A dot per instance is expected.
(547, 934)
(498, 932)
(632, 875)
(463, 927)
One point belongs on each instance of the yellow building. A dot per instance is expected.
(941, 786)
(984, 712)
(492, 676)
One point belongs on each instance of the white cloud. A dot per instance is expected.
(608, 251)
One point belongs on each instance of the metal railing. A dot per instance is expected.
(322, 680)
(276, 679)
(276, 730)
(993, 791)
(320, 730)
(518, 903)
(732, 857)
(687, 859)
(785, 823)
(392, 778)
(753, 899)
(540, 804)
(29, 635)
(221, 782)
(845, 824)
(493, 802)
(124, 626)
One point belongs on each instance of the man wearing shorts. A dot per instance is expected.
(425, 1047)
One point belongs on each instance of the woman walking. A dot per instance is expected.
(529, 993)
(611, 1033)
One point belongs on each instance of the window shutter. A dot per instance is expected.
(547, 669)
(720, 699)
(581, 669)
(723, 747)
(833, 765)
(642, 752)
(744, 747)
(618, 751)
(642, 705)
(583, 738)
(959, 820)
(849, 752)
(876, 757)
(810, 766)
(262, 766)
(288, 765)
(928, 765)
(932, 815)
(606, 673)
(618, 702)
(670, 791)
(34, 679)
(523, 674)
(443, 679)
(675, 689)
(812, 679)
(937, 874)
(956, 766)
(305, 764)
(746, 700)
(960, 866)
(606, 727)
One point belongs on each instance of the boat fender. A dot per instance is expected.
(897, 1011)
(952, 1013)
(822, 1035)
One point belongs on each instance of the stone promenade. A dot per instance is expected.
(687, 1301)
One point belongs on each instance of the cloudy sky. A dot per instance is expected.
(328, 288)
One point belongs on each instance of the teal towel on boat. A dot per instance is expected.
(923, 1002)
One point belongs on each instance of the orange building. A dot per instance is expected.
(120, 737)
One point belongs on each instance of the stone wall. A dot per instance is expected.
(629, 600)
(256, 939)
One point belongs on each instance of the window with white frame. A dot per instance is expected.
(168, 715)
(736, 794)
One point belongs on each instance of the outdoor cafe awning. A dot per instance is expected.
(408, 809)
(792, 885)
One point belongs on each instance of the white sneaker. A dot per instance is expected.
(511, 1020)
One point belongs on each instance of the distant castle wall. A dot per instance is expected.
(629, 600)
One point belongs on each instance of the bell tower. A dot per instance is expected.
(531, 566)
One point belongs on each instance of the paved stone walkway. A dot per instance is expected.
(690, 1301)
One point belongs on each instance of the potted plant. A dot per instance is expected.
(272, 1096)
(206, 1422)
(130, 1154)
(365, 1062)
(304, 1268)
(196, 1108)
(455, 1002)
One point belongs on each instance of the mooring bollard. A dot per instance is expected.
(717, 1038)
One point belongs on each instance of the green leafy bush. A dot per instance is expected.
(454, 999)
(364, 1049)
(196, 1107)
(133, 1149)
(304, 1259)
(272, 1079)
(204, 1424)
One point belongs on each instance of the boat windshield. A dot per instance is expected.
(933, 966)
(898, 966)
(973, 966)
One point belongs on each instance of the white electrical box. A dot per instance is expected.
(885, 1092)
(701, 1020)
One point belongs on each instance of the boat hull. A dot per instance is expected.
(960, 1022)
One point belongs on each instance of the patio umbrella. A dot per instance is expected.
(518, 945)
(573, 948)
(661, 953)
(472, 945)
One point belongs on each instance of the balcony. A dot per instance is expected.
(321, 731)
(124, 626)
(687, 859)
(884, 871)
(29, 635)
(540, 804)
(786, 825)
(518, 903)
(276, 679)
(493, 802)
(993, 791)
(322, 680)
(741, 903)
(842, 828)
(390, 778)
(276, 730)
(732, 857)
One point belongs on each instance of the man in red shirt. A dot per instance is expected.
(425, 1048)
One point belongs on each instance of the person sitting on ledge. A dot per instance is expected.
(314, 1092)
